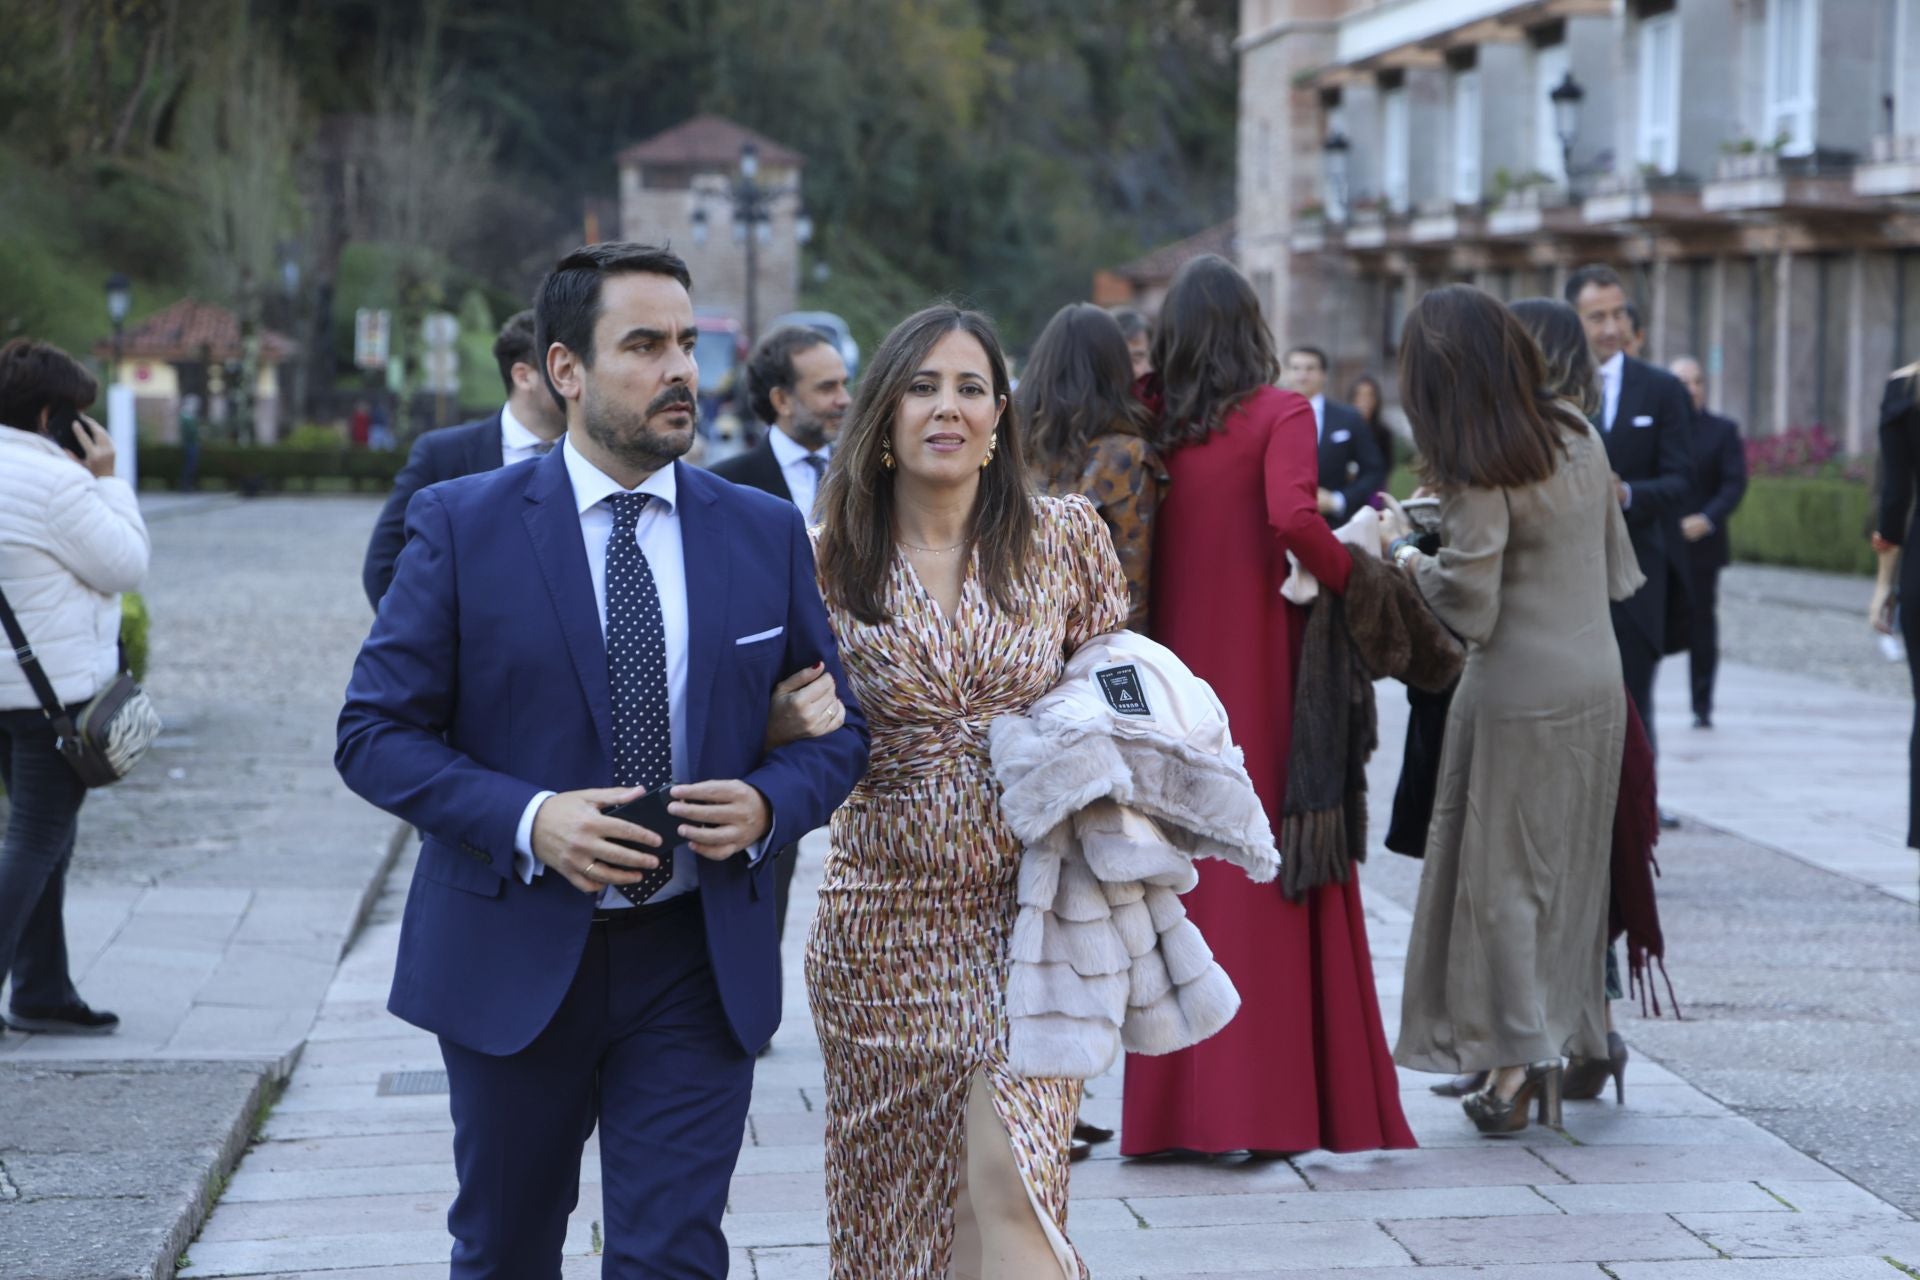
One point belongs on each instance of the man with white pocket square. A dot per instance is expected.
(559, 638)
(1351, 467)
(1644, 419)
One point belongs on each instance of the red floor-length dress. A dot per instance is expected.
(1304, 1065)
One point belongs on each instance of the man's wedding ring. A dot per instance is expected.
(591, 863)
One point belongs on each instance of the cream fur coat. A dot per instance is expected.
(1116, 781)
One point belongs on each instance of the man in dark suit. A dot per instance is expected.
(1719, 482)
(797, 385)
(528, 425)
(558, 638)
(1644, 420)
(1351, 468)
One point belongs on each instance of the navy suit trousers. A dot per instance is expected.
(639, 1046)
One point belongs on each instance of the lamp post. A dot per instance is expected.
(119, 301)
(1333, 156)
(753, 203)
(1566, 97)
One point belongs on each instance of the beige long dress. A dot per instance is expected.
(1509, 937)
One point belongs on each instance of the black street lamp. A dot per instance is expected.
(1566, 97)
(753, 205)
(119, 301)
(1333, 155)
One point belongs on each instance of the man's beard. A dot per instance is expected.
(809, 430)
(626, 435)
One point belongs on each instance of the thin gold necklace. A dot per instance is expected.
(932, 551)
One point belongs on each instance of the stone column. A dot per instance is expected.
(1856, 425)
(1715, 356)
(1782, 341)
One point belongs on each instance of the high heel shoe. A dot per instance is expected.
(1460, 1086)
(1491, 1113)
(1587, 1077)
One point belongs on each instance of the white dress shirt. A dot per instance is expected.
(517, 444)
(802, 482)
(658, 533)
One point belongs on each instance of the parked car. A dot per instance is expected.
(720, 349)
(831, 325)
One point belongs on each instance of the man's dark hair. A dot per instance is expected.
(569, 303)
(38, 375)
(1315, 352)
(516, 345)
(1133, 322)
(771, 365)
(1633, 318)
(1593, 273)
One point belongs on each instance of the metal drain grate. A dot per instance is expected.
(408, 1084)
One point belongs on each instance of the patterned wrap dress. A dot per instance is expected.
(907, 961)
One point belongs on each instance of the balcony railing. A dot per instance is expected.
(1894, 169)
(1764, 180)
(1641, 198)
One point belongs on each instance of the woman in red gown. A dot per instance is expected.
(1305, 1063)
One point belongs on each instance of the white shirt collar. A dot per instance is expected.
(592, 486)
(514, 433)
(1319, 404)
(1613, 367)
(787, 450)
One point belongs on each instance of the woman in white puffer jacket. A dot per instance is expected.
(71, 540)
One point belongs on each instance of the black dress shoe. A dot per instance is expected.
(1668, 822)
(1702, 720)
(1079, 1150)
(1084, 1132)
(74, 1019)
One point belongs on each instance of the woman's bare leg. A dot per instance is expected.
(997, 1233)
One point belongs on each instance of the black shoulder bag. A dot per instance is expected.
(106, 740)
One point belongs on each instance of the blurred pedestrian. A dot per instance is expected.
(1351, 469)
(360, 424)
(957, 595)
(1138, 332)
(189, 442)
(1511, 923)
(1305, 1064)
(1719, 483)
(1899, 527)
(1367, 401)
(71, 540)
(380, 430)
(528, 425)
(1086, 434)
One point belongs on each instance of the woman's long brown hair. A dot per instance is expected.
(1078, 385)
(856, 549)
(1212, 351)
(1556, 327)
(1476, 390)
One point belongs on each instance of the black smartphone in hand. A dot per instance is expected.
(650, 811)
(62, 422)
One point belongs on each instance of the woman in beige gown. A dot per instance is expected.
(1510, 930)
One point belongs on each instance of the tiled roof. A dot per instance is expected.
(1162, 263)
(189, 331)
(708, 140)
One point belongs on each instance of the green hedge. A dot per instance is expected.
(1806, 522)
(1803, 521)
(134, 625)
(262, 469)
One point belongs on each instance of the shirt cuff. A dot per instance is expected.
(1628, 504)
(1339, 503)
(525, 865)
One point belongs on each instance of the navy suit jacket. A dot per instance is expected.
(446, 454)
(1649, 448)
(757, 468)
(1350, 461)
(1719, 482)
(484, 681)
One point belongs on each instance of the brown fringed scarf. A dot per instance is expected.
(1380, 627)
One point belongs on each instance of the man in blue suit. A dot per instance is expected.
(558, 638)
(529, 424)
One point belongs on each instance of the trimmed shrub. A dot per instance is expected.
(271, 469)
(1807, 522)
(134, 624)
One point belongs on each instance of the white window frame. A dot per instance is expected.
(1336, 203)
(1466, 117)
(1396, 178)
(1660, 129)
(1550, 66)
(1793, 74)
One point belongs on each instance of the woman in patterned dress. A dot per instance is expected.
(1085, 434)
(956, 596)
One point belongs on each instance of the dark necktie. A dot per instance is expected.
(637, 675)
(543, 448)
(818, 461)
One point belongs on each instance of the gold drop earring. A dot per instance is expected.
(886, 455)
(993, 443)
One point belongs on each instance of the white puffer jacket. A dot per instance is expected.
(69, 545)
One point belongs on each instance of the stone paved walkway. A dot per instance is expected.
(348, 1185)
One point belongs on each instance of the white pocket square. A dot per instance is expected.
(1341, 437)
(1642, 420)
(760, 635)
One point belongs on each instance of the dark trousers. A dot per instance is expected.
(639, 1046)
(43, 797)
(1910, 632)
(1704, 659)
(1639, 659)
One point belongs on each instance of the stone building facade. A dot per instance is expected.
(677, 188)
(1751, 166)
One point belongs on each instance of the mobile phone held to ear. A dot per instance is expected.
(650, 812)
(62, 421)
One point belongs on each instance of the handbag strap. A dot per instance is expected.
(35, 673)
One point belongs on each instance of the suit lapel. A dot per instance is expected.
(774, 480)
(487, 453)
(705, 547)
(553, 525)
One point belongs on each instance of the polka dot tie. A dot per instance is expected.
(637, 673)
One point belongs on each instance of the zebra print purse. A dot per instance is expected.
(106, 740)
